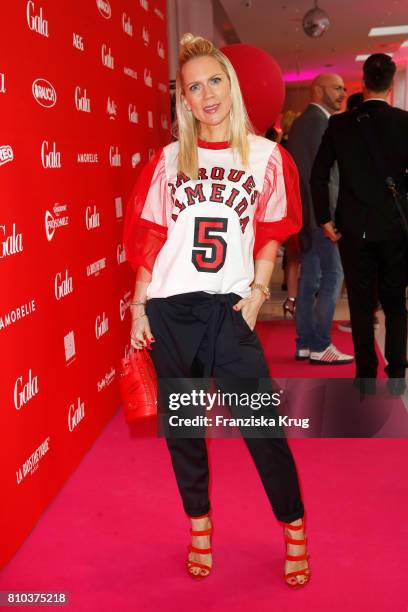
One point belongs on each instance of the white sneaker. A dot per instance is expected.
(330, 356)
(302, 354)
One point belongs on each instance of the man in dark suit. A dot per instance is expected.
(368, 225)
(321, 272)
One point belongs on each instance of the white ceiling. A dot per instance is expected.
(276, 26)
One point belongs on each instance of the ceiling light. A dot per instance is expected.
(362, 58)
(386, 31)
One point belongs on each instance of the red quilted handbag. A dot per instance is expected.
(138, 386)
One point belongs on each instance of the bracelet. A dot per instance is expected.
(141, 316)
(263, 288)
(138, 303)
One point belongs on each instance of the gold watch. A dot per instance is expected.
(263, 288)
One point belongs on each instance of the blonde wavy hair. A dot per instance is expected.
(187, 128)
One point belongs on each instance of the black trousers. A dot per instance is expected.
(369, 266)
(198, 334)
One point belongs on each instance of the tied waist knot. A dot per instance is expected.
(216, 312)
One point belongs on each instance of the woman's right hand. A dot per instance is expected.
(140, 333)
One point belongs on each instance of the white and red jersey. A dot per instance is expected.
(202, 234)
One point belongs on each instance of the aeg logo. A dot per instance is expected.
(78, 42)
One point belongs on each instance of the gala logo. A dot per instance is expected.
(12, 243)
(25, 391)
(62, 285)
(36, 23)
(75, 414)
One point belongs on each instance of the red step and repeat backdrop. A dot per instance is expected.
(84, 102)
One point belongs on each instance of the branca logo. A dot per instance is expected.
(104, 8)
(44, 93)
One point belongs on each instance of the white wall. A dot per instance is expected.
(195, 16)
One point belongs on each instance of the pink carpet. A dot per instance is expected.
(115, 537)
(278, 340)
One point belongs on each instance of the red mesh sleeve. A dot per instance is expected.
(145, 227)
(279, 209)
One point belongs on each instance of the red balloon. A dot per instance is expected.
(261, 83)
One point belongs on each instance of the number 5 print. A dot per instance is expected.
(206, 237)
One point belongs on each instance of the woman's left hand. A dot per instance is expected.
(250, 307)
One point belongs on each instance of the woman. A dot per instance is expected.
(190, 236)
